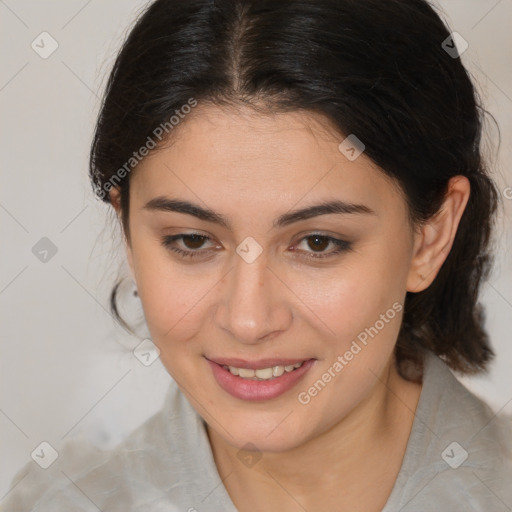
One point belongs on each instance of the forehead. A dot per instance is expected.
(251, 158)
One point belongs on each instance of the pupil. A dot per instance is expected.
(317, 245)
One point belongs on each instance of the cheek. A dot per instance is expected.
(172, 306)
(174, 314)
(170, 297)
(347, 299)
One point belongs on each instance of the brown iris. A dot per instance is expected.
(320, 242)
(196, 241)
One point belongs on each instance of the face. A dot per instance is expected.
(230, 274)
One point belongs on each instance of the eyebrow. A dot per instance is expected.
(167, 204)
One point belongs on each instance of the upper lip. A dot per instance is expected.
(257, 364)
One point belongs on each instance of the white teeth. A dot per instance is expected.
(265, 373)
(262, 373)
(277, 371)
(246, 373)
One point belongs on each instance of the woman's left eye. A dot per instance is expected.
(319, 243)
(192, 245)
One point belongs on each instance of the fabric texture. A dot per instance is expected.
(458, 457)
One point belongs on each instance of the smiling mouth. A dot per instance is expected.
(262, 373)
(258, 380)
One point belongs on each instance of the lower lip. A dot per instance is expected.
(258, 390)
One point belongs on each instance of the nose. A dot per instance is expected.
(254, 305)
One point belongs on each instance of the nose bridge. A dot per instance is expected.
(254, 305)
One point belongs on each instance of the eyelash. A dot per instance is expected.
(342, 245)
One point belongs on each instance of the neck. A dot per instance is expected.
(362, 451)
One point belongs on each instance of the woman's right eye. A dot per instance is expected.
(191, 244)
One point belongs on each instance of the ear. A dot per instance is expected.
(435, 239)
(115, 201)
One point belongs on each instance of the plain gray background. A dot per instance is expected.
(66, 367)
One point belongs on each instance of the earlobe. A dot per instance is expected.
(434, 240)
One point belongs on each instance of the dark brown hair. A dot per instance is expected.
(379, 70)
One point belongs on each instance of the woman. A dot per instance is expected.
(307, 217)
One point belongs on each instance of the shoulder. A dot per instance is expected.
(86, 478)
(460, 450)
(34, 488)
